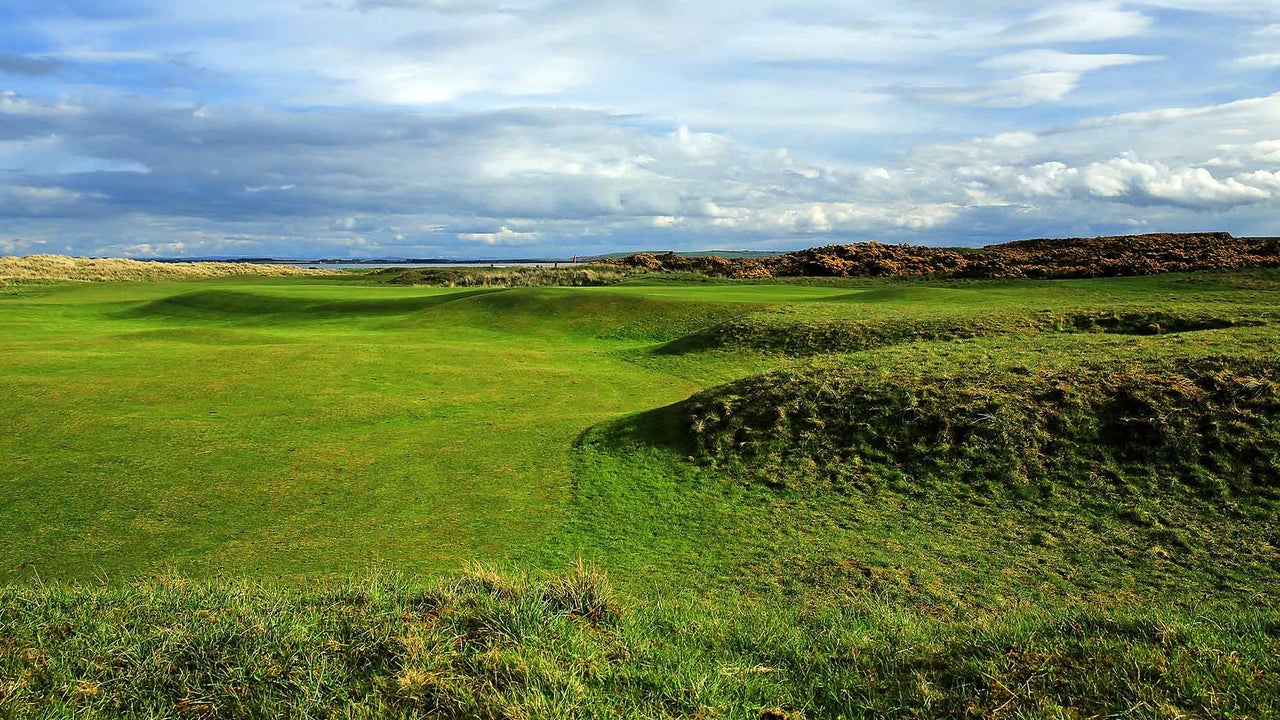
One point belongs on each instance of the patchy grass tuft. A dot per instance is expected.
(387, 646)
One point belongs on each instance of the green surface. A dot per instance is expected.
(289, 428)
(793, 542)
(500, 645)
(301, 427)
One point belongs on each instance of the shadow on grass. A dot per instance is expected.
(224, 305)
(663, 427)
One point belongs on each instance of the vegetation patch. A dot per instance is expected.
(783, 333)
(488, 644)
(1212, 424)
(1070, 258)
(60, 267)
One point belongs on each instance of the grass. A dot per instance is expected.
(47, 268)
(495, 645)
(201, 474)
(517, 276)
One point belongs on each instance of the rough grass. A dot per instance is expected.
(772, 332)
(31, 268)
(1213, 423)
(490, 644)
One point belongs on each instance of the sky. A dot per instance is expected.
(549, 128)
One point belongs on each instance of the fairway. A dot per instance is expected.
(305, 427)
(293, 429)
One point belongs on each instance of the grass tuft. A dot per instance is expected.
(584, 593)
(386, 646)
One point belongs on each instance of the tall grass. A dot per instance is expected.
(489, 644)
(60, 267)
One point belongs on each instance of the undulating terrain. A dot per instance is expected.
(666, 496)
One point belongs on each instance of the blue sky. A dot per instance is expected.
(501, 128)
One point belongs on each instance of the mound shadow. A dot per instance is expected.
(239, 306)
(664, 427)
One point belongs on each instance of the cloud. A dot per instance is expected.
(1019, 92)
(1046, 76)
(1262, 61)
(1058, 61)
(1077, 23)
(21, 246)
(428, 126)
(1192, 187)
(27, 65)
(502, 236)
(447, 7)
(383, 182)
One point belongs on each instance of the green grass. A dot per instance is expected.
(504, 645)
(262, 435)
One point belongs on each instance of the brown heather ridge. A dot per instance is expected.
(1070, 258)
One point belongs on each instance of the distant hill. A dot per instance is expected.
(1040, 258)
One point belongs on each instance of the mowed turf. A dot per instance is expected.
(303, 427)
(285, 428)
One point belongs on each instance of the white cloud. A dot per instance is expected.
(502, 236)
(1187, 186)
(14, 105)
(99, 55)
(1018, 92)
(1058, 61)
(1078, 23)
(1269, 180)
(1046, 76)
(21, 246)
(1262, 61)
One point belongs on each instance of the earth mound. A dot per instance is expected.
(1211, 425)
(784, 335)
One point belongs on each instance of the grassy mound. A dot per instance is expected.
(488, 645)
(592, 313)
(520, 276)
(61, 267)
(781, 333)
(1211, 423)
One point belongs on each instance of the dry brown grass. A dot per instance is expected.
(62, 267)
